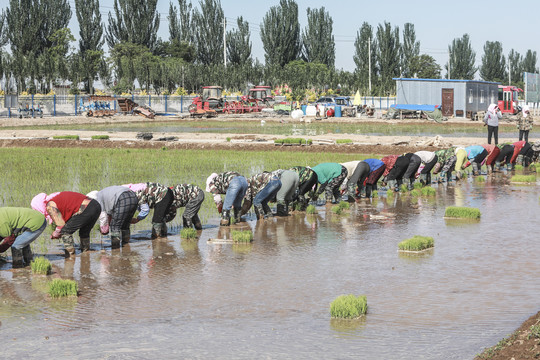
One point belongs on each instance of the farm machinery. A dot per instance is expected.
(98, 106)
(212, 102)
(28, 111)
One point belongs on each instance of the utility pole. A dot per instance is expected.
(224, 41)
(509, 74)
(448, 64)
(369, 63)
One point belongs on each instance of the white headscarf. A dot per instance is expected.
(525, 110)
(210, 181)
(491, 108)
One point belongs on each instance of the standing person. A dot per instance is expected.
(491, 119)
(429, 159)
(18, 228)
(118, 205)
(262, 188)
(153, 196)
(307, 180)
(475, 155)
(234, 187)
(330, 176)
(525, 123)
(376, 169)
(70, 211)
(289, 185)
(190, 196)
(493, 152)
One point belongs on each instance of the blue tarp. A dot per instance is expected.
(415, 107)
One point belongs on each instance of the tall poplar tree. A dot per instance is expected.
(388, 50)
(364, 56)
(91, 40)
(462, 59)
(529, 62)
(238, 44)
(318, 45)
(180, 27)
(411, 50)
(280, 34)
(209, 35)
(493, 66)
(515, 63)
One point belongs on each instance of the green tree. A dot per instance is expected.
(424, 67)
(135, 21)
(411, 50)
(209, 35)
(462, 59)
(529, 62)
(280, 33)
(493, 66)
(515, 63)
(318, 45)
(365, 54)
(238, 44)
(388, 50)
(91, 40)
(176, 49)
(125, 58)
(180, 27)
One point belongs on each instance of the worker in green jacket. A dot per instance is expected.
(18, 228)
(330, 177)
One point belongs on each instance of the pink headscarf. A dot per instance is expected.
(136, 187)
(210, 181)
(491, 108)
(39, 203)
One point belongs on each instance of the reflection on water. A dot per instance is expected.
(271, 298)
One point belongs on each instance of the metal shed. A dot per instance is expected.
(460, 98)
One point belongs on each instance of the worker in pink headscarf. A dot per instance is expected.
(491, 120)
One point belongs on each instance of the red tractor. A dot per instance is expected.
(262, 95)
(209, 103)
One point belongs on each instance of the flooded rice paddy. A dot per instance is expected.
(270, 299)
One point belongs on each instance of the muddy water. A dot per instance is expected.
(270, 299)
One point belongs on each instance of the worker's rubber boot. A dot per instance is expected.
(497, 167)
(259, 213)
(17, 260)
(519, 160)
(428, 179)
(442, 177)
(225, 218)
(186, 223)
(156, 230)
(475, 170)
(196, 222)
(369, 190)
(267, 211)
(69, 245)
(351, 193)
(237, 216)
(281, 209)
(126, 236)
(303, 203)
(85, 244)
(28, 256)
(164, 230)
(489, 169)
(423, 179)
(392, 185)
(527, 161)
(116, 239)
(509, 167)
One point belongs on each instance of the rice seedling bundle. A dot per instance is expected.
(418, 185)
(336, 209)
(66, 137)
(462, 212)
(61, 288)
(403, 188)
(344, 205)
(375, 194)
(100, 137)
(311, 209)
(344, 141)
(480, 179)
(188, 233)
(523, 178)
(348, 307)
(41, 266)
(242, 236)
(415, 192)
(390, 192)
(293, 141)
(416, 243)
(428, 191)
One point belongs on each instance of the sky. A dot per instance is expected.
(436, 23)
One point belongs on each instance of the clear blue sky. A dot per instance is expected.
(436, 23)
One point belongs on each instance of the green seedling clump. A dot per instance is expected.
(390, 192)
(375, 194)
(523, 178)
(188, 233)
(61, 288)
(66, 137)
(416, 243)
(415, 192)
(336, 209)
(518, 167)
(228, 139)
(348, 307)
(462, 212)
(480, 179)
(100, 137)
(41, 266)
(343, 205)
(242, 236)
(344, 141)
(298, 141)
(418, 185)
(403, 188)
(311, 209)
(428, 191)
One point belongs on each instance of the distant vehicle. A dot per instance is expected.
(327, 101)
(261, 94)
(508, 99)
(330, 102)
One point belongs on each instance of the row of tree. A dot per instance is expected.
(200, 51)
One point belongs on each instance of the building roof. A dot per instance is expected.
(448, 80)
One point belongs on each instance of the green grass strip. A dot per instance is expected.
(61, 288)
(344, 141)
(66, 137)
(462, 212)
(348, 307)
(100, 137)
(41, 266)
(298, 141)
(416, 243)
(188, 233)
(242, 236)
(523, 178)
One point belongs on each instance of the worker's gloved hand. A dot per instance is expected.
(219, 207)
(104, 229)
(56, 233)
(6, 243)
